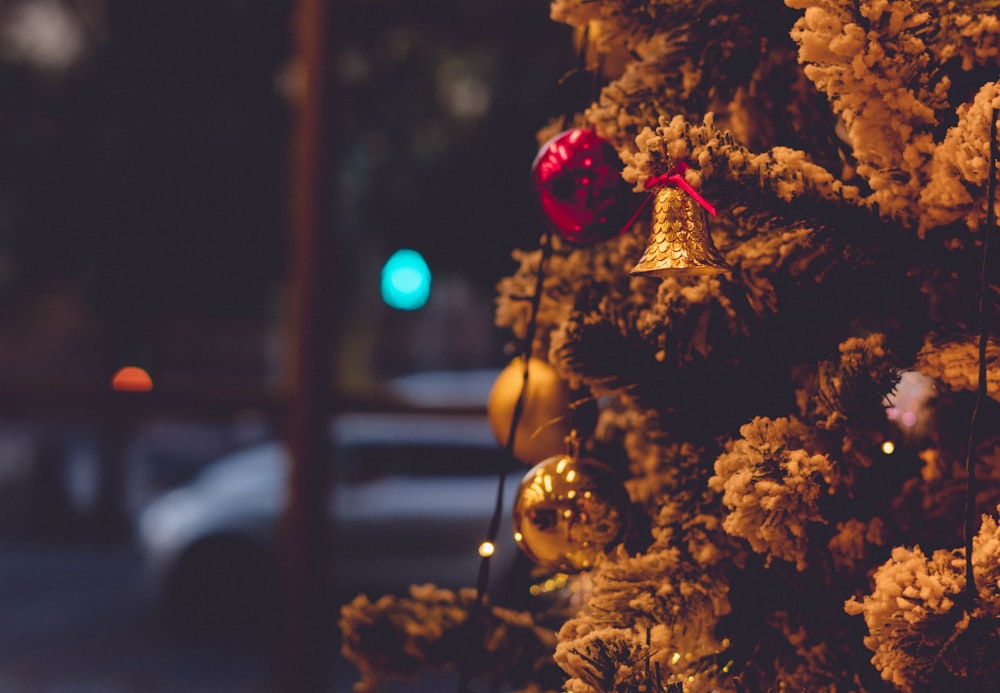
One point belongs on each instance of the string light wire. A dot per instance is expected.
(483, 576)
(493, 530)
(971, 594)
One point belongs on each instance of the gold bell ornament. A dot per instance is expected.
(679, 243)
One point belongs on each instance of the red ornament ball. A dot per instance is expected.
(576, 176)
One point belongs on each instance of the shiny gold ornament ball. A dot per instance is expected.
(569, 512)
(545, 420)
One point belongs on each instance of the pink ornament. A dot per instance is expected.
(576, 176)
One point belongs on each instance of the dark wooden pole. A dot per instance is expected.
(305, 644)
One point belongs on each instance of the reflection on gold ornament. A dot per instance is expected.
(545, 419)
(679, 243)
(569, 512)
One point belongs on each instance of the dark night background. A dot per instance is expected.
(144, 190)
(144, 180)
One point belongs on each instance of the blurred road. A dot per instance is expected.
(74, 619)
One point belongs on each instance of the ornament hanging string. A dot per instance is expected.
(674, 177)
(981, 389)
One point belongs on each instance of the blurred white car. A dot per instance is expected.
(414, 494)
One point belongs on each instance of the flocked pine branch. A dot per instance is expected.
(887, 68)
(395, 638)
(953, 362)
(845, 145)
(695, 57)
(923, 635)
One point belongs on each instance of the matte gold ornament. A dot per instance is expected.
(569, 512)
(545, 419)
(679, 243)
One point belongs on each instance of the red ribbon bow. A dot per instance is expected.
(675, 177)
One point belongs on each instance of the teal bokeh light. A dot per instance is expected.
(406, 280)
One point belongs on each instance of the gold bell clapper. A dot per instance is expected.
(679, 243)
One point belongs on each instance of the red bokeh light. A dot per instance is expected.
(131, 379)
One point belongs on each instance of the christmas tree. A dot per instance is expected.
(806, 421)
